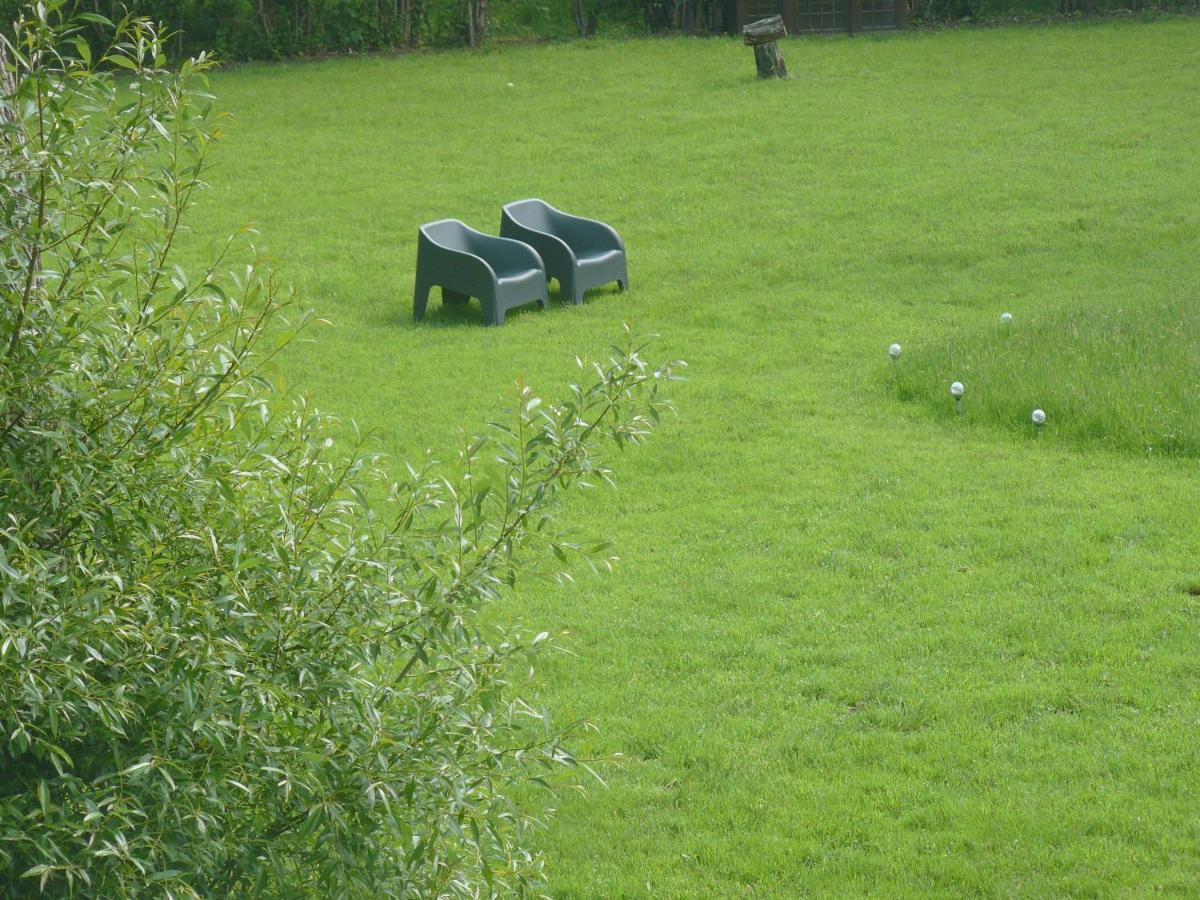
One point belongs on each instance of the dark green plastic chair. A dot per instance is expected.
(580, 253)
(467, 263)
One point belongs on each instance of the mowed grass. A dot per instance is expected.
(854, 645)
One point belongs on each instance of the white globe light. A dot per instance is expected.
(957, 389)
(894, 351)
(1039, 417)
(510, 84)
(1005, 318)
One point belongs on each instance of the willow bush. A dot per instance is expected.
(236, 659)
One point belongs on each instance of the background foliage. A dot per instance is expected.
(224, 668)
(274, 29)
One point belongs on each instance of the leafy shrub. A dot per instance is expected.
(276, 29)
(224, 668)
(271, 29)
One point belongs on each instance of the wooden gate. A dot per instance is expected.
(804, 16)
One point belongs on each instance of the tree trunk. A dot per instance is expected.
(769, 61)
(585, 22)
(763, 36)
(476, 21)
(264, 19)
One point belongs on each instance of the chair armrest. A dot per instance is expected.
(586, 234)
(554, 251)
(440, 258)
(506, 253)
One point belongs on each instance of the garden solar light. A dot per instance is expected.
(956, 391)
(894, 351)
(1005, 318)
(1039, 418)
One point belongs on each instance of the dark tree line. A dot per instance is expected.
(275, 29)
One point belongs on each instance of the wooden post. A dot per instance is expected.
(762, 36)
(854, 16)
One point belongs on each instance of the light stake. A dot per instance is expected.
(956, 391)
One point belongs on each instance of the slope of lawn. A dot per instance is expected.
(855, 644)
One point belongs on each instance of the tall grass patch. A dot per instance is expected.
(1124, 375)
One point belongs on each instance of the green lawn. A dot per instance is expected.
(855, 644)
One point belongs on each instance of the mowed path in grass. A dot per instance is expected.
(852, 646)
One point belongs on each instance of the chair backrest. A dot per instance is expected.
(533, 214)
(451, 234)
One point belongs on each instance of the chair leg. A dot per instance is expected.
(544, 300)
(570, 288)
(623, 281)
(420, 299)
(493, 312)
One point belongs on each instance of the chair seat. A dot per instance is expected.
(597, 259)
(518, 276)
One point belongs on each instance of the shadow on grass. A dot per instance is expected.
(440, 314)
